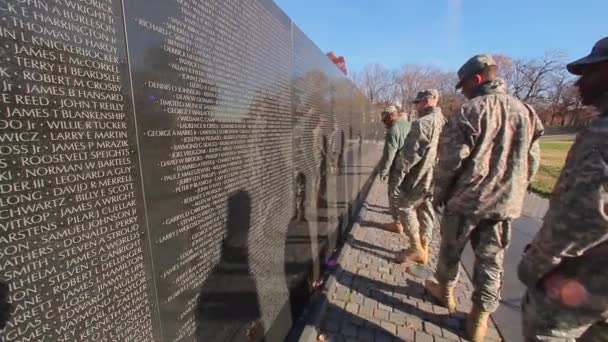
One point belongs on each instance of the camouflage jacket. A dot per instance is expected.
(414, 165)
(489, 152)
(576, 223)
(395, 137)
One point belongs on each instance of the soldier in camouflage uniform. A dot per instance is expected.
(398, 128)
(564, 267)
(489, 153)
(414, 169)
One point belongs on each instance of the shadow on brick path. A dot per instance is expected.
(372, 249)
(379, 211)
(371, 298)
(372, 224)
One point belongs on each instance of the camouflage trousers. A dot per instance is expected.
(393, 196)
(547, 319)
(418, 218)
(489, 240)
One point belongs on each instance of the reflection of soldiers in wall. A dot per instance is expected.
(300, 198)
(323, 169)
(301, 269)
(341, 154)
(318, 154)
(228, 307)
(337, 143)
(300, 157)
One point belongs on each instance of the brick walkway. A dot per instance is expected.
(371, 298)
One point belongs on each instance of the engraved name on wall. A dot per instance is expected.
(212, 95)
(71, 233)
(149, 153)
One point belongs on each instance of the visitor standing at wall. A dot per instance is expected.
(398, 129)
(337, 142)
(414, 174)
(564, 267)
(488, 155)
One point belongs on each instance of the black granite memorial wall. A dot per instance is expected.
(170, 170)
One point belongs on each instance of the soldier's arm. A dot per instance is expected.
(415, 147)
(407, 130)
(534, 153)
(456, 142)
(391, 146)
(577, 220)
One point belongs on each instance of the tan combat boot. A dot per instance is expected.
(425, 247)
(477, 324)
(402, 256)
(414, 253)
(443, 293)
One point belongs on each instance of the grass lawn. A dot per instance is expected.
(553, 155)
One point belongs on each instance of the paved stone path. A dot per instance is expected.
(535, 206)
(371, 298)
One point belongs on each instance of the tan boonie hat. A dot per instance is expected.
(472, 66)
(426, 94)
(599, 54)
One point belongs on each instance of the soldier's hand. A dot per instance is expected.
(438, 206)
(384, 179)
(438, 209)
(569, 292)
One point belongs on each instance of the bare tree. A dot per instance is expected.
(563, 101)
(377, 83)
(413, 78)
(450, 99)
(531, 78)
(542, 82)
(445, 82)
(506, 68)
(545, 83)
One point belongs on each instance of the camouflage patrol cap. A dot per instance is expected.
(599, 54)
(391, 109)
(388, 111)
(426, 94)
(472, 66)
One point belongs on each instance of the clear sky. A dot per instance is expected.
(447, 32)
